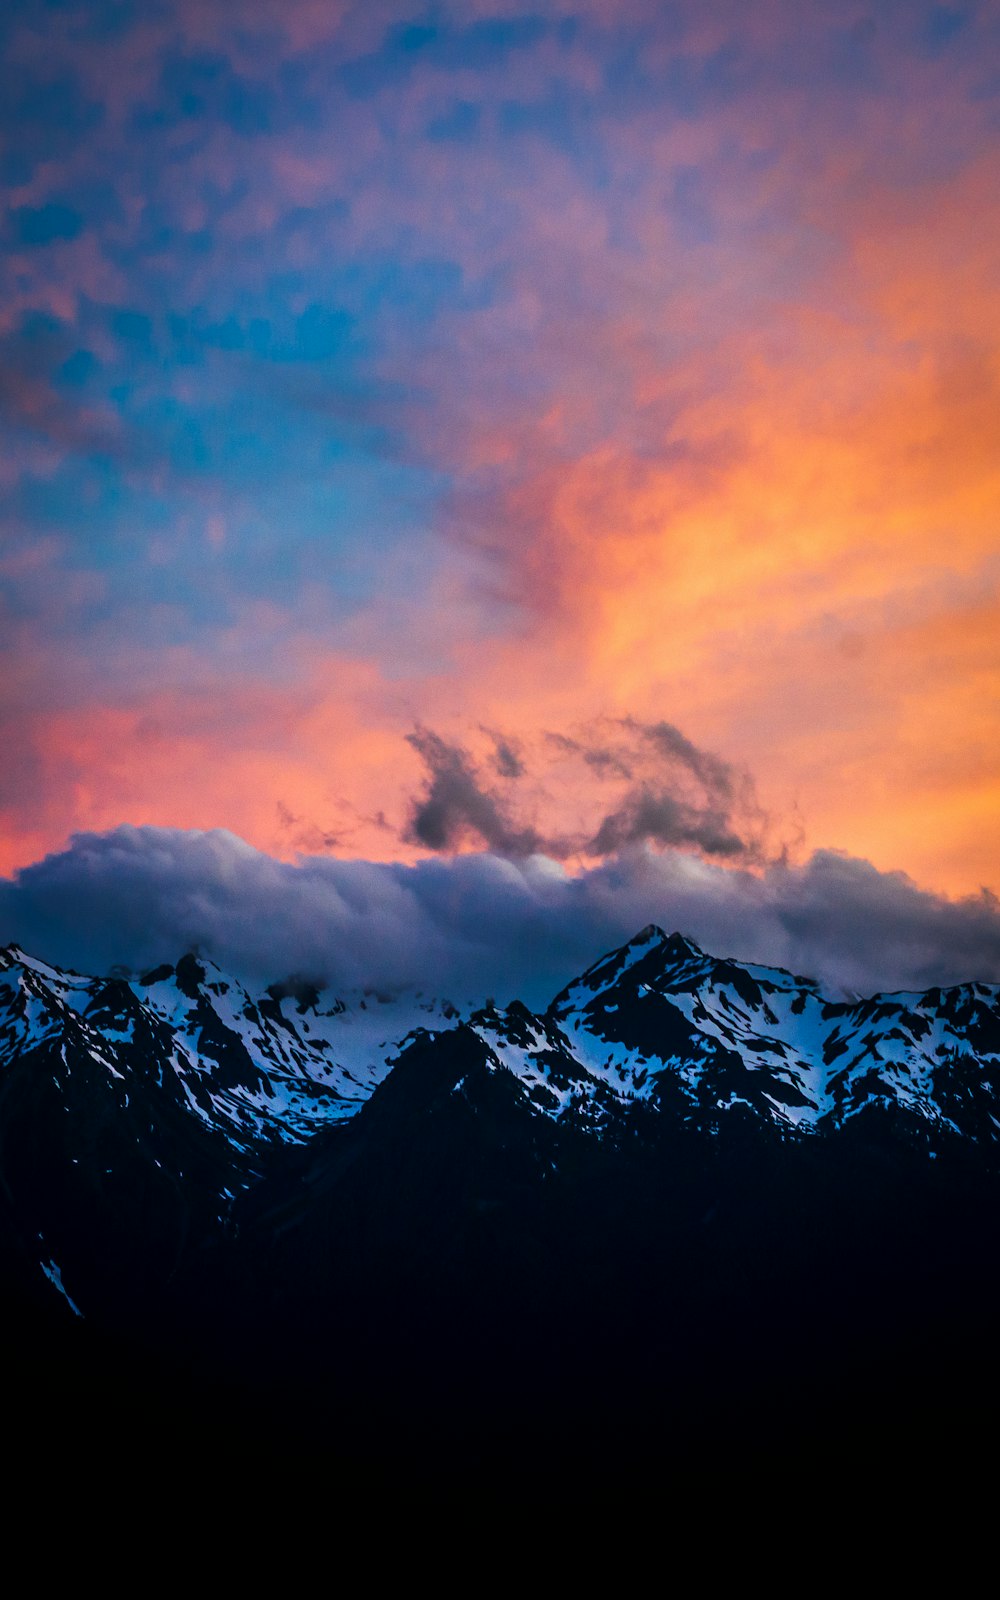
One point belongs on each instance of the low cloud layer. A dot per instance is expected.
(478, 924)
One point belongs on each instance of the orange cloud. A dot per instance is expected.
(737, 468)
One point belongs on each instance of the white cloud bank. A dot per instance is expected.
(477, 924)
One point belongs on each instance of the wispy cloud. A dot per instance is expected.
(666, 791)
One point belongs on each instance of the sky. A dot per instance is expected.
(458, 445)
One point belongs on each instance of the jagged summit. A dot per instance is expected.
(656, 1021)
(12, 953)
(652, 935)
(278, 1171)
(188, 1083)
(645, 957)
(669, 947)
(681, 947)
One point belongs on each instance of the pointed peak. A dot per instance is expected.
(191, 973)
(650, 955)
(15, 955)
(10, 956)
(191, 965)
(677, 945)
(158, 974)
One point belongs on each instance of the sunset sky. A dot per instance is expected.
(464, 428)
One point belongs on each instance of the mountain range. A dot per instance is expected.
(689, 1187)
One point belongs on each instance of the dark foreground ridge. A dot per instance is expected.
(693, 1206)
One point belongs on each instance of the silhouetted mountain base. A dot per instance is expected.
(452, 1280)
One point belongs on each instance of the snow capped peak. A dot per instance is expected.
(652, 956)
(655, 1018)
(682, 948)
(12, 955)
(679, 946)
(662, 951)
(189, 975)
(15, 956)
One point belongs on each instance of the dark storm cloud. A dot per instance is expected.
(718, 778)
(665, 820)
(605, 762)
(507, 757)
(679, 794)
(455, 808)
(478, 924)
(668, 792)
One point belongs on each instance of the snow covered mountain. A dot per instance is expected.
(657, 1023)
(661, 1022)
(499, 1202)
(266, 1068)
(132, 1111)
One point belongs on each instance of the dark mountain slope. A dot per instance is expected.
(692, 1199)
